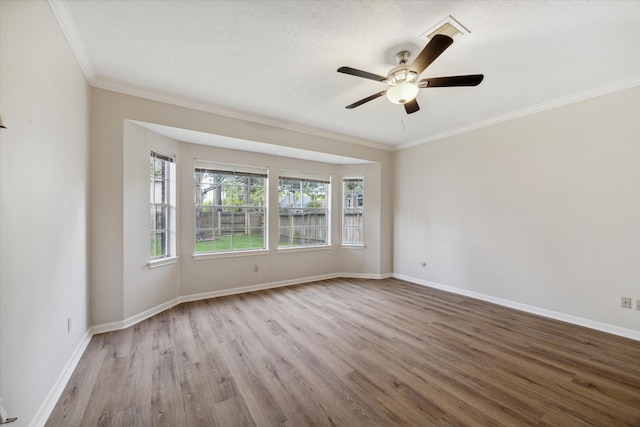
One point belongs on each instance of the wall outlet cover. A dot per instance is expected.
(625, 302)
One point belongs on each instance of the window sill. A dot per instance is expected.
(286, 249)
(353, 246)
(162, 262)
(231, 254)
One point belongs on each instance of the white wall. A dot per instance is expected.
(44, 100)
(143, 288)
(123, 287)
(542, 210)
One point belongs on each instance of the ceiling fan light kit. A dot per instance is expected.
(402, 80)
(402, 92)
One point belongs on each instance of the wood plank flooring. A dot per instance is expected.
(352, 353)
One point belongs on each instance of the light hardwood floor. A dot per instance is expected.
(352, 353)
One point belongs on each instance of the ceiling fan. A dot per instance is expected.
(403, 80)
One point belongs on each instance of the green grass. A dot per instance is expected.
(158, 247)
(238, 242)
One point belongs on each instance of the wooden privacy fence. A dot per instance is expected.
(302, 228)
(228, 223)
(295, 227)
(352, 227)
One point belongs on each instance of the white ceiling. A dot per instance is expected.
(275, 61)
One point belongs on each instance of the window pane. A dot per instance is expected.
(352, 217)
(152, 217)
(161, 185)
(153, 245)
(161, 218)
(303, 214)
(158, 244)
(204, 240)
(230, 211)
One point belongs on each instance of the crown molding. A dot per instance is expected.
(233, 113)
(538, 108)
(70, 30)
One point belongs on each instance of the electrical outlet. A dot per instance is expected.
(637, 303)
(625, 302)
(68, 324)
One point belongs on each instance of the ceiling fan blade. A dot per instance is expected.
(470, 80)
(367, 99)
(438, 44)
(411, 106)
(360, 73)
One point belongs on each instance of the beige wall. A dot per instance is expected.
(543, 210)
(44, 99)
(123, 287)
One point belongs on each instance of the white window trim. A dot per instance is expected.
(361, 245)
(304, 176)
(229, 254)
(161, 262)
(289, 249)
(172, 230)
(231, 168)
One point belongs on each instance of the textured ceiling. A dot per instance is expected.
(275, 61)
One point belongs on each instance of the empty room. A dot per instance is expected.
(331, 213)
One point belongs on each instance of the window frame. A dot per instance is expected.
(301, 211)
(230, 210)
(167, 204)
(359, 205)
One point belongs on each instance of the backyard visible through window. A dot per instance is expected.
(352, 209)
(162, 187)
(229, 207)
(303, 208)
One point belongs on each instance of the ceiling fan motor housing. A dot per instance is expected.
(401, 74)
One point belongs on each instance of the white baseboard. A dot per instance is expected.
(107, 327)
(365, 276)
(137, 318)
(115, 326)
(42, 415)
(254, 288)
(592, 324)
